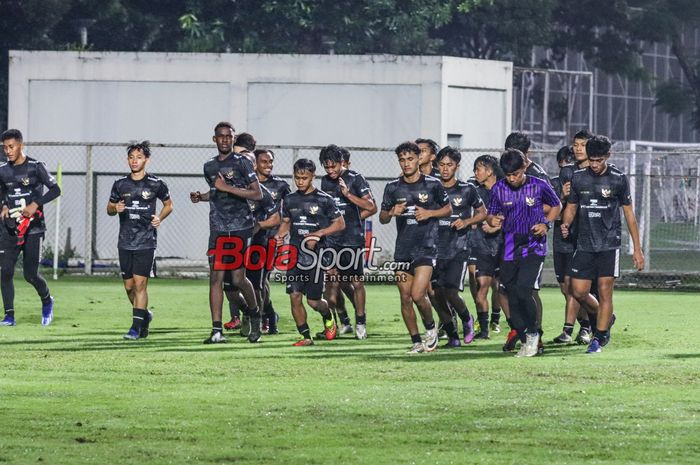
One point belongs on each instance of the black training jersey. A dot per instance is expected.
(262, 210)
(26, 183)
(354, 232)
(483, 243)
(561, 245)
(465, 200)
(535, 170)
(308, 213)
(135, 229)
(278, 187)
(415, 237)
(599, 199)
(228, 212)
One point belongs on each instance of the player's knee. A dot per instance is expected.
(418, 295)
(30, 277)
(7, 275)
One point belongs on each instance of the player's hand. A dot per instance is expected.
(30, 210)
(488, 229)
(422, 213)
(564, 230)
(459, 224)
(220, 184)
(155, 221)
(5, 212)
(312, 240)
(398, 209)
(195, 197)
(279, 239)
(540, 229)
(15, 213)
(343, 187)
(120, 206)
(638, 259)
(498, 221)
(566, 189)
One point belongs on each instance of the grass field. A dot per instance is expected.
(77, 393)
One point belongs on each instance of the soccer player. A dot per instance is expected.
(22, 182)
(232, 182)
(563, 249)
(428, 157)
(417, 201)
(598, 192)
(517, 206)
(308, 217)
(487, 244)
(453, 247)
(279, 189)
(133, 198)
(266, 215)
(352, 196)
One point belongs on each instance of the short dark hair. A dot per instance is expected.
(331, 153)
(144, 146)
(490, 162)
(346, 154)
(259, 152)
(452, 154)
(224, 124)
(518, 140)
(407, 146)
(565, 154)
(434, 147)
(512, 160)
(304, 164)
(598, 147)
(245, 140)
(12, 134)
(584, 134)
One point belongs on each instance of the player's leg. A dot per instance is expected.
(252, 310)
(404, 280)
(8, 260)
(299, 316)
(356, 287)
(419, 294)
(216, 300)
(496, 304)
(31, 255)
(452, 283)
(314, 290)
(526, 286)
(482, 301)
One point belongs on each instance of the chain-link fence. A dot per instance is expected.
(664, 185)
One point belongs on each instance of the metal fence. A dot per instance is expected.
(664, 183)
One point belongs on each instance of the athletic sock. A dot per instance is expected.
(510, 323)
(585, 324)
(233, 308)
(46, 300)
(495, 315)
(361, 319)
(429, 325)
(304, 331)
(450, 329)
(10, 312)
(269, 309)
(217, 326)
(483, 318)
(415, 338)
(594, 320)
(138, 317)
(569, 329)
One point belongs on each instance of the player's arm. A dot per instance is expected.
(283, 231)
(53, 192)
(390, 207)
(164, 212)
(116, 203)
(199, 197)
(637, 255)
(251, 192)
(337, 225)
(494, 217)
(270, 222)
(567, 217)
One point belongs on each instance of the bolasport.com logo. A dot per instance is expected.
(231, 253)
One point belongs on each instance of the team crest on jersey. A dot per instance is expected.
(273, 195)
(422, 197)
(457, 201)
(313, 209)
(24, 181)
(229, 174)
(530, 201)
(146, 195)
(607, 192)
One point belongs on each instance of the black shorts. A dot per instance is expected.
(306, 282)
(409, 266)
(525, 271)
(487, 265)
(593, 265)
(562, 265)
(136, 262)
(234, 249)
(350, 261)
(450, 273)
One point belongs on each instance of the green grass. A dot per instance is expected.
(76, 393)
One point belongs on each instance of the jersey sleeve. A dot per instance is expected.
(44, 175)
(476, 201)
(624, 195)
(549, 197)
(361, 186)
(286, 190)
(285, 209)
(114, 195)
(330, 209)
(441, 197)
(269, 205)
(573, 192)
(163, 192)
(209, 178)
(388, 201)
(247, 172)
(495, 206)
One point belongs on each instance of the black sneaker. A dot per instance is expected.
(255, 330)
(216, 337)
(483, 334)
(321, 336)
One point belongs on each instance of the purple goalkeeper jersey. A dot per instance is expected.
(522, 207)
